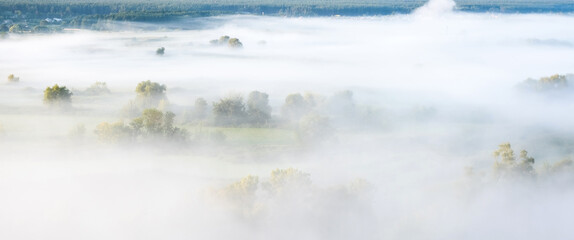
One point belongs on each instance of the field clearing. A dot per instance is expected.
(249, 136)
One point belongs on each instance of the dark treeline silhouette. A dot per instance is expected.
(33, 16)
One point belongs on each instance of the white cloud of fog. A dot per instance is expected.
(435, 8)
(464, 65)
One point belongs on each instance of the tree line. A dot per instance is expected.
(313, 116)
(31, 15)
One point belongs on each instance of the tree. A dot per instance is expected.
(553, 82)
(342, 102)
(508, 167)
(154, 123)
(234, 43)
(97, 88)
(223, 39)
(283, 181)
(114, 132)
(150, 126)
(151, 122)
(200, 108)
(226, 40)
(341, 107)
(242, 192)
(258, 109)
(240, 196)
(57, 95)
(199, 111)
(229, 111)
(294, 107)
(13, 79)
(160, 51)
(149, 94)
(314, 128)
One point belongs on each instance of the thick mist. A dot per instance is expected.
(434, 94)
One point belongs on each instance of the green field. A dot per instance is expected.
(238, 136)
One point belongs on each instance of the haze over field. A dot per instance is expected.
(434, 93)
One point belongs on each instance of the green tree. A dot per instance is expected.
(342, 101)
(116, 132)
(234, 43)
(226, 40)
(242, 191)
(223, 40)
(160, 51)
(294, 107)
(240, 196)
(199, 111)
(149, 94)
(229, 111)
(314, 128)
(97, 88)
(57, 95)
(152, 125)
(258, 109)
(341, 107)
(151, 122)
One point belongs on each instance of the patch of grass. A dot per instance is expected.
(252, 136)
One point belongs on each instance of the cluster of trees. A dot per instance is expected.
(57, 96)
(287, 186)
(61, 96)
(96, 89)
(509, 166)
(153, 125)
(226, 40)
(553, 82)
(148, 95)
(311, 116)
(232, 111)
(35, 15)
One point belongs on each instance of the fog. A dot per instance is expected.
(441, 89)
